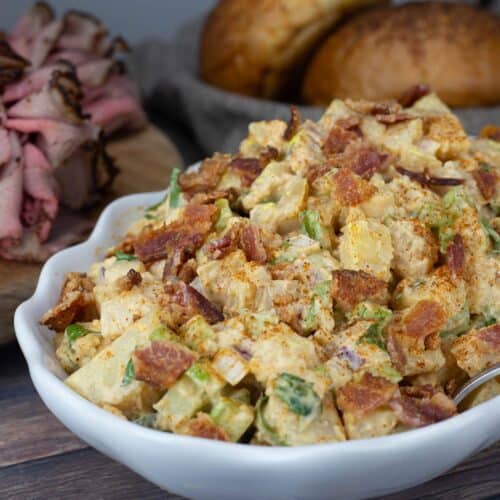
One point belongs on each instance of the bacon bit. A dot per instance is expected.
(427, 181)
(398, 356)
(391, 119)
(374, 108)
(248, 169)
(338, 139)
(207, 177)
(425, 317)
(350, 189)
(319, 170)
(162, 363)
(366, 395)
(203, 426)
(413, 94)
(76, 303)
(179, 240)
(491, 132)
(455, 256)
(368, 162)
(218, 249)
(352, 287)
(187, 272)
(417, 406)
(486, 182)
(491, 336)
(208, 198)
(352, 123)
(251, 244)
(267, 155)
(183, 302)
(131, 279)
(293, 123)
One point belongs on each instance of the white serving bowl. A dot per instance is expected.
(204, 469)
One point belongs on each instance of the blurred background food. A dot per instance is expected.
(260, 48)
(270, 49)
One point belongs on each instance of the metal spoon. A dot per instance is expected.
(475, 382)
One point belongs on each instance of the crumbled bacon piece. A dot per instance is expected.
(183, 302)
(268, 154)
(293, 123)
(76, 303)
(212, 196)
(374, 108)
(338, 139)
(413, 94)
(366, 395)
(417, 406)
(131, 279)
(187, 272)
(350, 189)
(351, 123)
(398, 356)
(491, 336)
(486, 182)
(455, 256)
(203, 426)
(425, 317)
(177, 241)
(391, 119)
(207, 177)
(221, 247)
(491, 132)
(319, 170)
(248, 169)
(162, 363)
(352, 287)
(251, 244)
(362, 159)
(427, 181)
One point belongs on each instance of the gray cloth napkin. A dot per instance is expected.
(167, 74)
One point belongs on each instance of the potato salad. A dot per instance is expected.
(332, 280)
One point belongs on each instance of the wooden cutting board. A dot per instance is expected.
(146, 159)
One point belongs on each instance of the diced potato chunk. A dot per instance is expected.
(101, 380)
(365, 245)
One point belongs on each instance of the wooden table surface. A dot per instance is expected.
(41, 459)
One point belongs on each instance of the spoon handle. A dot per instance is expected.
(476, 381)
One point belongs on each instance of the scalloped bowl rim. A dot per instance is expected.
(31, 337)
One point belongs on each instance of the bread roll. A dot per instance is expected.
(379, 54)
(256, 47)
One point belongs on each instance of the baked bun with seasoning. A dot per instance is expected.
(380, 53)
(258, 47)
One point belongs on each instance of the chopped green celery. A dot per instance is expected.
(323, 289)
(263, 425)
(199, 335)
(310, 221)
(387, 372)
(310, 323)
(234, 417)
(206, 377)
(174, 190)
(129, 375)
(162, 332)
(495, 237)
(297, 394)
(182, 401)
(124, 256)
(75, 331)
(374, 336)
(370, 311)
(457, 325)
(225, 214)
(147, 420)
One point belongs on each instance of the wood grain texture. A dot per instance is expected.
(40, 459)
(146, 159)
